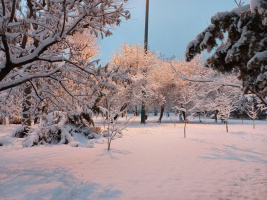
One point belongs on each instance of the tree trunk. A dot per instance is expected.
(46, 109)
(242, 117)
(155, 112)
(216, 115)
(4, 120)
(175, 115)
(253, 124)
(26, 105)
(184, 115)
(180, 117)
(161, 113)
(122, 111)
(226, 124)
(109, 143)
(126, 114)
(184, 129)
(136, 111)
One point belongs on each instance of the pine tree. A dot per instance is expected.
(243, 51)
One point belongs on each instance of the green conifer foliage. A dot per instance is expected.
(244, 49)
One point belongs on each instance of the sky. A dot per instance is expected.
(172, 25)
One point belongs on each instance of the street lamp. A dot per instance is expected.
(143, 111)
(146, 25)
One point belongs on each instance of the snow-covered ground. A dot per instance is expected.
(151, 162)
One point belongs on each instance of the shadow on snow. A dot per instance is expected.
(56, 184)
(237, 154)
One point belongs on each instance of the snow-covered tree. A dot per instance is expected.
(30, 37)
(111, 110)
(225, 103)
(39, 49)
(243, 52)
(252, 113)
(165, 87)
(85, 46)
(187, 95)
(253, 107)
(210, 91)
(10, 105)
(133, 57)
(185, 104)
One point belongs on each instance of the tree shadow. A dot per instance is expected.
(46, 184)
(112, 154)
(237, 154)
(237, 133)
(199, 140)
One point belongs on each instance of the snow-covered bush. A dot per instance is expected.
(81, 118)
(14, 119)
(59, 127)
(22, 131)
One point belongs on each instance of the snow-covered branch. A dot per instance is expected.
(237, 52)
(185, 78)
(25, 78)
(48, 24)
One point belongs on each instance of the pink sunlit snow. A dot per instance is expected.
(148, 162)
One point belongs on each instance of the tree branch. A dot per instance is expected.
(185, 78)
(264, 100)
(35, 90)
(64, 20)
(26, 78)
(3, 7)
(13, 11)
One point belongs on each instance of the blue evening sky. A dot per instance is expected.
(172, 24)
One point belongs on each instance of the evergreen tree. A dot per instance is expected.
(243, 52)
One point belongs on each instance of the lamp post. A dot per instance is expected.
(146, 25)
(143, 111)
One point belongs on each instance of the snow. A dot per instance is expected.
(257, 5)
(208, 35)
(240, 9)
(258, 56)
(236, 11)
(150, 161)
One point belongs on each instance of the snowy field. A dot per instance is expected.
(151, 162)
